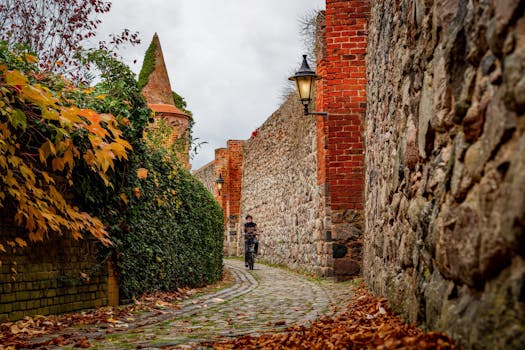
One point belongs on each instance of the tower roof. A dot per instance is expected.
(157, 89)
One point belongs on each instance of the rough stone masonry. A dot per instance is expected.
(445, 166)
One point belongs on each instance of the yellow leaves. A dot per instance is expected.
(124, 198)
(20, 242)
(104, 157)
(69, 116)
(15, 78)
(27, 173)
(37, 95)
(142, 173)
(2, 248)
(48, 179)
(58, 164)
(50, 114)
(119, 149)
(47, 149)
(18, 119)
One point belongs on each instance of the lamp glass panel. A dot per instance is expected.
(304, 86)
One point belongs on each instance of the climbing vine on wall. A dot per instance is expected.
(148, 66)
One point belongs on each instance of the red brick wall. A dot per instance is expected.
(342, 93)
(228, 163)
(235, 155)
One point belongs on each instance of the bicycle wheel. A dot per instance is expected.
(250, 260)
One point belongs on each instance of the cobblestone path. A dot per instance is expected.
(263, 300)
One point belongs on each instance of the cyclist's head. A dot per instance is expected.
(249, 217)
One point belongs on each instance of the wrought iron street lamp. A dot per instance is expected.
(219, 182)
(305, 79)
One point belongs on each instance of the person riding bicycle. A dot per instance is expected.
(250, 230)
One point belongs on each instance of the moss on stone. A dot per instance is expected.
(149, 64)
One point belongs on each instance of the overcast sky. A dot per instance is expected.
(228, 58)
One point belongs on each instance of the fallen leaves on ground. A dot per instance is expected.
(18, 334)
(367, 323)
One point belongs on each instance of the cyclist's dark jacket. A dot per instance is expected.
(249, 225)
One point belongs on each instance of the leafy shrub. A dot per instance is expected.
(174, 232)
(166, 228)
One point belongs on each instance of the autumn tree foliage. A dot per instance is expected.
(43, 138)
(58, 30)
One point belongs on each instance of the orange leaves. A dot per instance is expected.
(365, 324)
(119, 148)
(28, 172)
(30, 58)
(63, 329)
(142, 173)
(21, 242)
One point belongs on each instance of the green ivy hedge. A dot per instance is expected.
(167, 228)
(174, 231)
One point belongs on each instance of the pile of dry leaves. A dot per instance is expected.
(18, 334)
(367, 323)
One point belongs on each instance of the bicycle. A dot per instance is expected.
(249, 254)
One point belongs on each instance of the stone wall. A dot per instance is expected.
(445, 176)
(206, 174)
(280, 191)
(51, 277)
(228, 164)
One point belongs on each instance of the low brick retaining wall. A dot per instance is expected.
(56, 276)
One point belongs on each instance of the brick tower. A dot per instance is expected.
(155, 84)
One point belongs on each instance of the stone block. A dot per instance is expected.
(339, 250)
(347, 267)
(458, 244)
